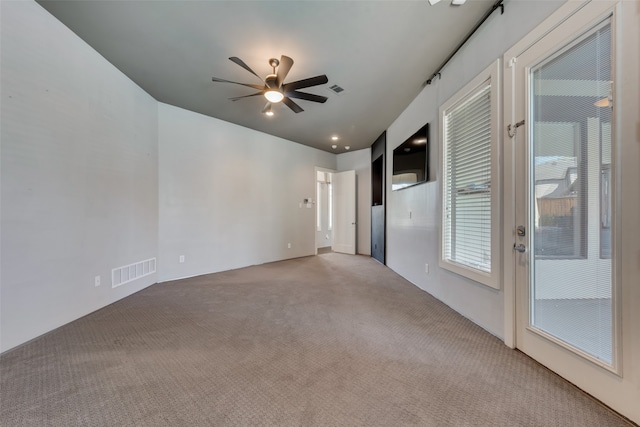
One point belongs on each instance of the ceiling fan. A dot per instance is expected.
(274, 88)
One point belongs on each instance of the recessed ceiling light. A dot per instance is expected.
(334, 138)
(346, 147)
(269, 113)
(457, 2)
(334, 146)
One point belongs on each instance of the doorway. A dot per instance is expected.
(565, 172)
(335, 213)
(324, 210)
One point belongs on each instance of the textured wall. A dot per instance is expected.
(79, 176)
(412, 241)
(230, 196)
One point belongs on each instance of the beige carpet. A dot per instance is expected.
(330, 340)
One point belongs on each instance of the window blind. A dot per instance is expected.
(467, 181)
(570, 182)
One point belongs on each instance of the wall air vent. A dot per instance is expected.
(336, 89)
(131, 272)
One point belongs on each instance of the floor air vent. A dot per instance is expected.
(131, 272)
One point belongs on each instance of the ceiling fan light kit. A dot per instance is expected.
(453, 2)
(273, 87)
(274, 95)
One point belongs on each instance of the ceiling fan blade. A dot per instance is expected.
(215, 79)
(307, 96)
(245, 96)
(283, 69)
(301, 84)
(241, 63)
(289, 103)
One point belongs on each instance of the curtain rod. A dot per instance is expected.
(496, 5)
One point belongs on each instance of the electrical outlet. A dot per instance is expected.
(288, 245)
(181, 259)
(96, 281)
(426, 268)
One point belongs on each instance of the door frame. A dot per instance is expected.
(620, 390)
(315, 210)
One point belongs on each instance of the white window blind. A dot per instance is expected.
(470, 237)
(467, 181)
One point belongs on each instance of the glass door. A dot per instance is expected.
(566, 312)
(569, 127)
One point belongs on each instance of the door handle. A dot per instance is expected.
(520, 248)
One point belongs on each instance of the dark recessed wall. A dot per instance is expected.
(378, 209)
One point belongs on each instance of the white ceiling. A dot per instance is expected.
(380, 52)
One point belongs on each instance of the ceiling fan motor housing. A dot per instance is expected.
(271, 81)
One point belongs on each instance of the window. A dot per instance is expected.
(558, 173)
(470, 235)
(319, 206)
(330, 203)
(606, 209)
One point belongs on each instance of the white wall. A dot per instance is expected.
(230, 196)
(80, 184)
(360, 161)
(412, 241)
(78, 176)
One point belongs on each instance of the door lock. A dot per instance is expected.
(521, 231)
(519, 247)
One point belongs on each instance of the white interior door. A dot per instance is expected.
(567, 298)
(344, 212)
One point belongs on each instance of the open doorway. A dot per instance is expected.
(335, 225)
(324, 210)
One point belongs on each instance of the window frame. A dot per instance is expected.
(330, 206)
(492, 75)
(319, 205)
